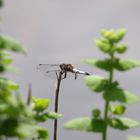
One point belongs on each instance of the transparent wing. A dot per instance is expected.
(50, 70)
(48, 67)
(53, 74)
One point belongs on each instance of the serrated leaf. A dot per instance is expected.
(133, 138)
(80, 124)
(9, 43)
(96, 83)
(118, 94)
(54, 115)
(123, 65)
(102, 64)
(123, 123)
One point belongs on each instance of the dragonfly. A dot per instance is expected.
(61, 68)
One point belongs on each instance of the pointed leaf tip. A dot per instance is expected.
(81, 124)
(96, 83)
(123, 123)
(118, 94)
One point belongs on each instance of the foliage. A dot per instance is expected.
(110, 89)
(1, 3)
(133, 138)
(39, 106)
(17, 119)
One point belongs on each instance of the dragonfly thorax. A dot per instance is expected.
(66, 67)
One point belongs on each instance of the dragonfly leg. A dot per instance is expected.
(75, 75)
(65, 74)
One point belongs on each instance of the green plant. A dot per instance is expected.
(110, 89)
(16, 118)
(14, 114)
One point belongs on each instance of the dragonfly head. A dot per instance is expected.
(62, 66)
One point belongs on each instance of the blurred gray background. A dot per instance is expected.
(57, 31)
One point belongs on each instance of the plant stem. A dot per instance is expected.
(104, 134)
(59, 78)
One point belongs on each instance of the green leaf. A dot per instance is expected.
(124, 65)
(12, 85)
(133, 138)
(96, 83)
(121, 48)
(103, 45)
(96, 113)
(123, 123)
(80, 124)
(43, 133)
(118, 94)
(120, 34)
(113, 35)
(5, 58)
(98, 125)
(107, 33)
(8, 43)
(86, 124)
(53, 115)
(8, 85)
(41, 118)
(102, 64)
(7, 68)
(118, 109)
(40, 104)
(25, 130)
(108, 64)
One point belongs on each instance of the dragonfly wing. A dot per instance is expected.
(52, 73)
(48, 67)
